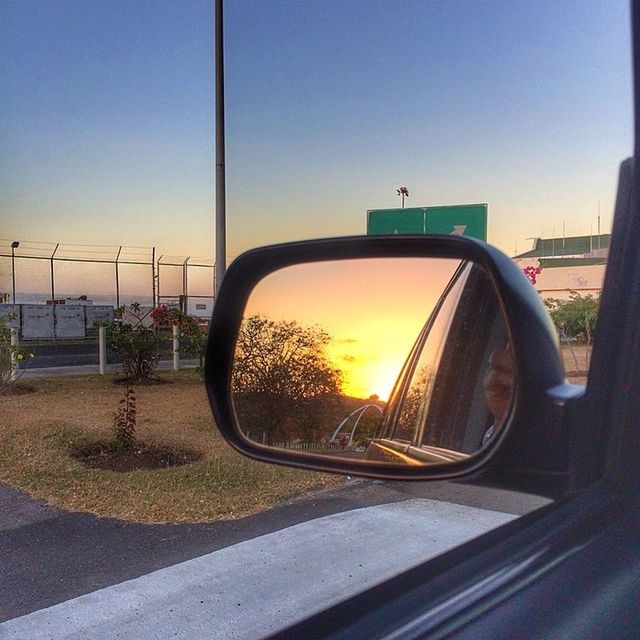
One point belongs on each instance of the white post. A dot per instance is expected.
(14, 359)
(176, 349)
(102, 349)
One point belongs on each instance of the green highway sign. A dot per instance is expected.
(382, 222)
(462, 219)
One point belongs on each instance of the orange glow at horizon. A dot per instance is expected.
(373, 309)
(372, 363)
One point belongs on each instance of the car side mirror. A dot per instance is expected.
(395, 357)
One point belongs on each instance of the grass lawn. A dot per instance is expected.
(39, 430)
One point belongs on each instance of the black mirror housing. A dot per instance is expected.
(530, 444)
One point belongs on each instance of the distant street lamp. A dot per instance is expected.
(14, 245)
(402, 192)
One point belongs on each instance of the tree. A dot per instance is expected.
(284, 385)
(575, 318)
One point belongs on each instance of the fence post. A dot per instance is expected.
(53, 292)
(102, 349)
(176, 349)
(153, 276)
(14, 357)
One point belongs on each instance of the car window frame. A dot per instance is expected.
(403, 382)
(467, 294)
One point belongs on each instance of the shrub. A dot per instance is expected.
(140, 336)
(138, 342)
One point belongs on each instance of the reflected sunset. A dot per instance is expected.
(372, 309)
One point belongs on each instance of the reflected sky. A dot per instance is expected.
(373, 309)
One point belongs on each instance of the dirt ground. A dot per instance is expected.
(576, 360)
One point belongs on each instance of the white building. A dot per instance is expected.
(576, 263)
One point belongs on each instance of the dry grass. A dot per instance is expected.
(38, 431)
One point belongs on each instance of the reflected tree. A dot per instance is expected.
(407, 422)
(284, 385)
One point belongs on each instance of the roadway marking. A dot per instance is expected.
(254, 588)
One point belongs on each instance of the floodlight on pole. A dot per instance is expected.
(402, 192)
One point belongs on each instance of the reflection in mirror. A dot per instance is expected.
(401, 360)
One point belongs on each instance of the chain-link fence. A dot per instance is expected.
(186, 282)
(54, 274)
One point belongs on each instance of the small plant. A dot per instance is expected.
(124, 421)
(11, 356)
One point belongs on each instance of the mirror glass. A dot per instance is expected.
(397, 360)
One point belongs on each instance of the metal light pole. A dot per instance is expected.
(14, 245)
(220, 224)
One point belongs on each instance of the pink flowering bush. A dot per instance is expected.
(532, 273)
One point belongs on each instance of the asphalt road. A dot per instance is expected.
(78, 353)
(64, 354)
(51, 557)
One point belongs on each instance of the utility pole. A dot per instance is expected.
(220, 216)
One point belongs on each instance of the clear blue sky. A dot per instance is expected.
(107, 128)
